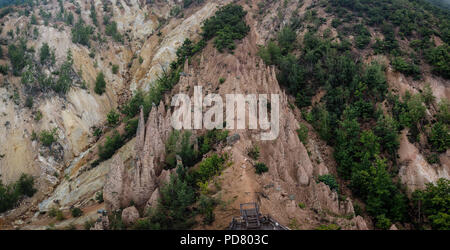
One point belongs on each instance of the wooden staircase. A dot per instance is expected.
(252, 219)
(250, 214)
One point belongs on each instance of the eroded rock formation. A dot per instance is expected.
(136, 185)
(415, 171)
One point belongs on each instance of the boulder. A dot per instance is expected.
(130, 215)
(233, 138)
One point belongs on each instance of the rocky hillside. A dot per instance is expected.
(87, 87)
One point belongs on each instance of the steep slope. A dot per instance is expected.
(310, 183)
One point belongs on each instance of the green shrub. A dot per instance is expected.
(221, 80)
(182, 145)
(187, 3)
(210, 167)
(211, 138)
(131, 108)
(387, 130)
(115, 220)
(64, 82)
(270, 54)
(68, 18)
(100, 84)
(253, 152)
(112, 143)
(414, 112)
(427, 94)
(111, 30)
(12, 193)
(76, 212)
(440, 137)
(33, 20)
(38, 116)
(443, 114)
(286, 39)
(176, 11)
(330, 181)
(4, 69)
(89, 224)
(406, 68)
(27, 77)
(362, 38)
(260, 168)
(93, 15)
(301, 205)
(29, 102)
(17, 57)
(174, 207)
(25, 186)
(383, 222)
(375, 78)
(206, 208)
(47, 137)
(60, 216)
(99, 197)
(34, 136)
(439, 58)
(335, 23)
(358, 209)
(53, 212)
(433, 159)
(131, 127)
(115, 69)
(44, 53)
(112, 118)
(321, 120)
(302, 133)
(97, 132)
(81, 33)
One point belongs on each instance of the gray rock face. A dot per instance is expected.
(130, 215)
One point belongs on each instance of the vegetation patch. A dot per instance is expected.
(330, 181)
(100, 84)
(226, 25)
(47, 137)
(431, 205)
(11, 194)
(260, 168)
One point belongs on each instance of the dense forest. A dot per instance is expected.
(350, 117)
